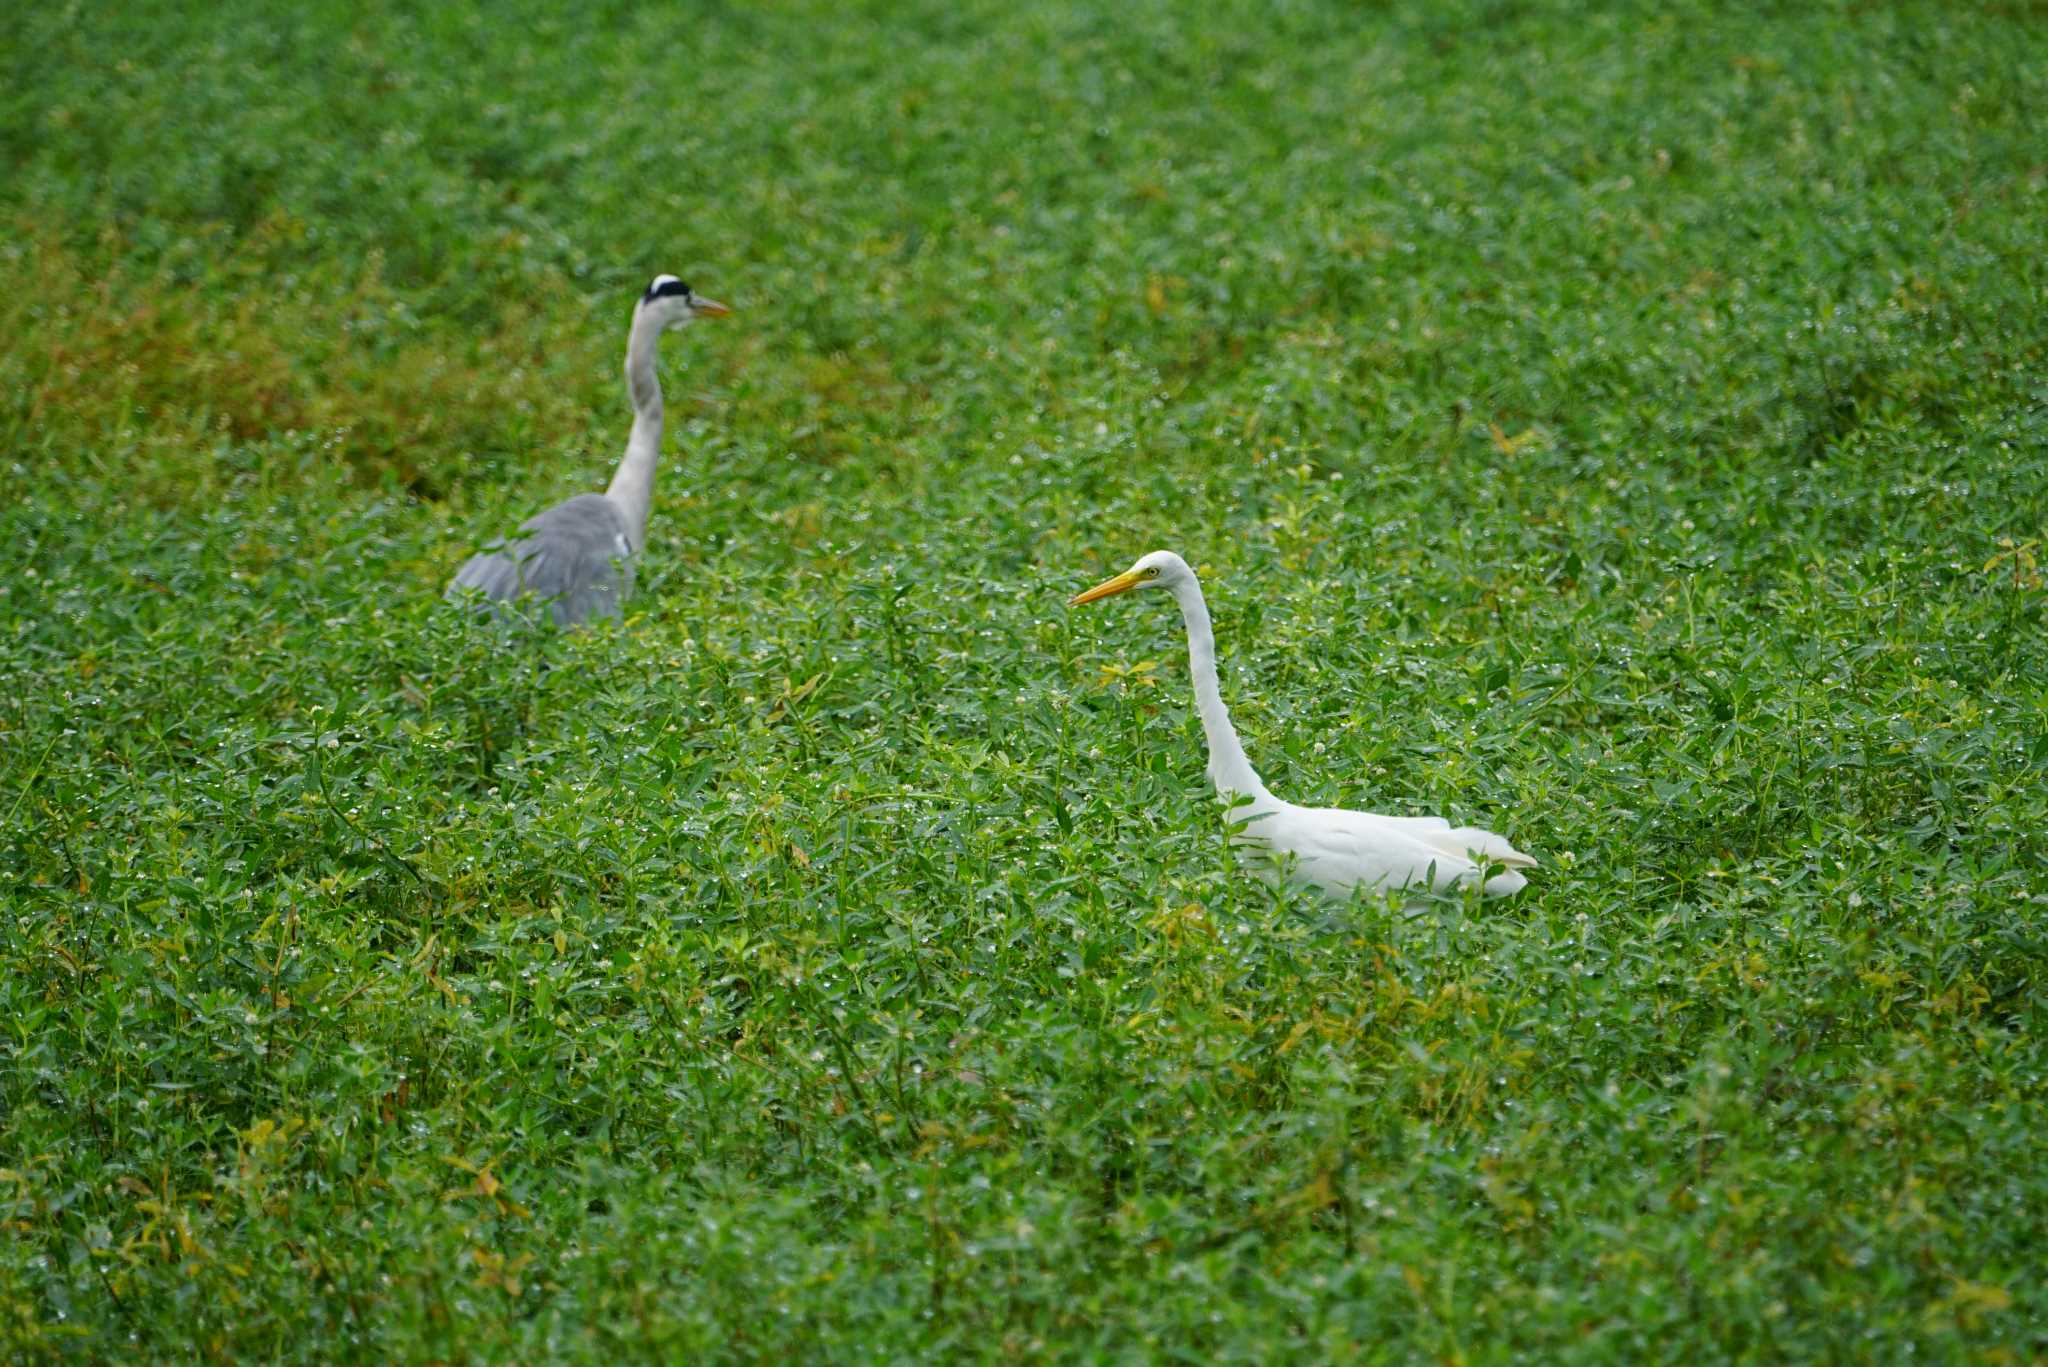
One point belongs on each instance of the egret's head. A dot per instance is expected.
(673, 303)
(1159, 570)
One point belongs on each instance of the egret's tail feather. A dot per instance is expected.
(1466, 841)
(1505, 884)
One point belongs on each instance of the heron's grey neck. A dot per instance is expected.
(1229, 770)
(632, 488)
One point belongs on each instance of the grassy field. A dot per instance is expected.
(1623, 428)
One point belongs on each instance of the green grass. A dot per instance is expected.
(1625, 429)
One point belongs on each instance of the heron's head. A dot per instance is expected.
(675, 303)
(1159, 570)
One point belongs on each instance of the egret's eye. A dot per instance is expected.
(1152, 572)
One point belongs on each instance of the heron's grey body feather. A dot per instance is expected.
(574, 558)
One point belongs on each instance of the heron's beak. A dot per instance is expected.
(709, 308)
(1122, 583)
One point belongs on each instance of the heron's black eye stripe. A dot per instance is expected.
(668, 289)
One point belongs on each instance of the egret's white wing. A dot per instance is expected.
(1339, 850)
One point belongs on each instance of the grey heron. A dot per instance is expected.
(577, 557)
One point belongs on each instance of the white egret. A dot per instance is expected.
(1326, 847)
(577, 557)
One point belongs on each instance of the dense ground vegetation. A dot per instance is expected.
(1623, 428)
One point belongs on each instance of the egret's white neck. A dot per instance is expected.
(632, 488)
(1229, 770)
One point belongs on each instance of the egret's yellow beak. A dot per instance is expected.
(1122, 583)
(709, 308)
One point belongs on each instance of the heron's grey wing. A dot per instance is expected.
(574, 557)
(582, 565)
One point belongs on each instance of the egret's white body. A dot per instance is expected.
(577, 557)
(1328, 848)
